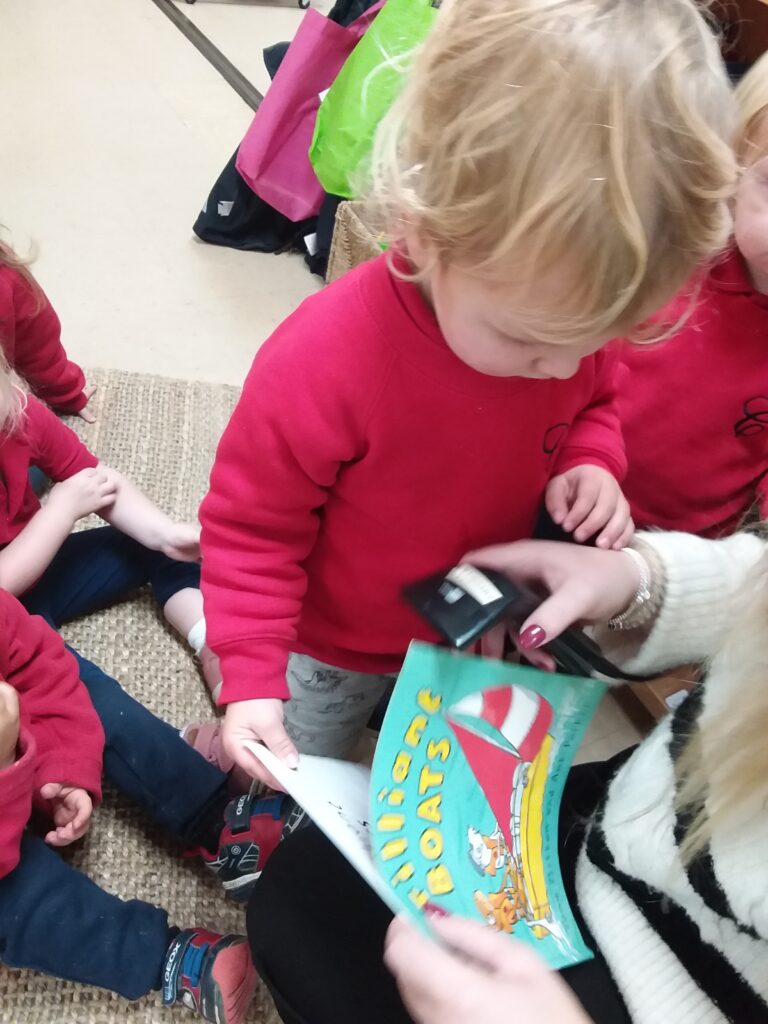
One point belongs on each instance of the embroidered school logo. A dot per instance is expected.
(755, 418)
(554, 437)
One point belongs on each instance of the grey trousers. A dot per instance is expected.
(329, 707)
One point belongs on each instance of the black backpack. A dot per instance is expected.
(233, 215)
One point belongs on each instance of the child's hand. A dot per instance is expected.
(9, 725)
(85, 413)
(586, 499)
(71, 810)
(260, 721)
(90, 490)
(182, 542)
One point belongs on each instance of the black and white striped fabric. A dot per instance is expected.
(685, 944)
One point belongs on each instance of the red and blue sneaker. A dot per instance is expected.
(210, 973)
(253, 828)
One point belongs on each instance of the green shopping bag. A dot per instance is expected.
(363, 92)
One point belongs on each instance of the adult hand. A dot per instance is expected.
(259, 721)
(182, 542)
(484, 976)
(71, 810)
(85, 413)
(90, 490)
(586, 499)
(9, 725)
(585, 585)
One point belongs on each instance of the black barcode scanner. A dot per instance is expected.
(465, 602)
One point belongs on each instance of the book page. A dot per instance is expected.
(336, 795)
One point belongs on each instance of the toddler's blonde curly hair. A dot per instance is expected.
(587, 134)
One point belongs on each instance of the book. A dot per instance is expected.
(459, 811)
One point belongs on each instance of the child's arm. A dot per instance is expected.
(17, 758)
(279, 458)
(137, 515)
(67, 731)
(39, 356)
(276, 463)
(584, 495)
(62, 456)
(84, 486)
(595, 437)
(28, 555)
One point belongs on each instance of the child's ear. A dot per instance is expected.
(419, 249)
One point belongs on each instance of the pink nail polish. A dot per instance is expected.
(532, 637)
(432, 910)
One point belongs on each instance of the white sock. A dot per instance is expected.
(196, 640)
(196, 636)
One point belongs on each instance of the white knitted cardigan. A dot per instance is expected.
(685, 946)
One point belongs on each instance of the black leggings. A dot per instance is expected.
(317, 930)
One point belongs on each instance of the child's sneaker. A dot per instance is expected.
(210, 973)
(253, 828)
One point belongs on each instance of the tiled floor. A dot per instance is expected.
(242, 30)
(116, 129)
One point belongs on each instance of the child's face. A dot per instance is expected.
(751, 221)
(477, 319)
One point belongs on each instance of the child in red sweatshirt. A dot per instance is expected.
(63, 575)
(694, 409)
(428, 402)
(52, 917)
(30, 337)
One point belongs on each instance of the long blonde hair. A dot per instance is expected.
(723, 771)
(21, 264)
(592, 132)
(13, 397)
(13, 393)
(12, 390)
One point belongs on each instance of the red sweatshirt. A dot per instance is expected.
(41, 440)
(61, 736)
(694, 412)
(364, 455)
(31, 339)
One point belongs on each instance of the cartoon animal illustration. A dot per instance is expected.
(502, 910)
(488, 853)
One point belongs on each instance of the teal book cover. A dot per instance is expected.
(465, 794)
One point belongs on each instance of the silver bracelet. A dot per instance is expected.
(641, 607)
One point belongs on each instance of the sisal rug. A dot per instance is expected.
(162, 434)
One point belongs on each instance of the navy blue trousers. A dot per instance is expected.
(53, 918)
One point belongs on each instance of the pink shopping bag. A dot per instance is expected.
(274, 155)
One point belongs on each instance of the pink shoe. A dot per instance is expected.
(205, 738)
